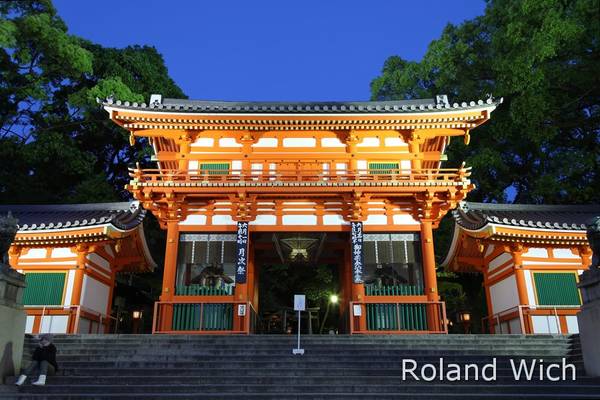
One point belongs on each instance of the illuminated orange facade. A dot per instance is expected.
(70, 255)
(299, 168)
(530, 256)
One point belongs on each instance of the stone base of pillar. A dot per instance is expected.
(589, 320)
(12, 321)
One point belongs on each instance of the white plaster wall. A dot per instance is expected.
(54, 324)
(299, 142)
(84, 325)
(194, 220)
(223, 220)
(489, 250)
(204, 142)
(498, 261)
(544, 324)
(340, 168)
(394, 141)
(266, 142)
(404, 219)
(193, 165)
(504, 294)
(405, 166)
(362, 164)
(529, 285)
(551, 263)
(63, 252)
(29, 324)
(99, 261)
(564, 253)
(536, 252)
(369, 142)
(74, 262)
(109, 250)
(34, 253)
(376, 220)
(299, 220)
(264, 220)
(94, 295)
(572, 324)
(515, 326)
(334, 219)
(69, 287)
(229, 142)
(332, 142)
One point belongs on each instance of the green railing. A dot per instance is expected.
(205, 317)
(191, 317)
(394, 317)
(199, 290)
(396, 290)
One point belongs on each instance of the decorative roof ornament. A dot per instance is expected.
(593, 235)
(8, 230)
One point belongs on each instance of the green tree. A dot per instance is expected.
(542, 144)
(56, 144)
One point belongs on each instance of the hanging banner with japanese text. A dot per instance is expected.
(357, 251)
(242, 252)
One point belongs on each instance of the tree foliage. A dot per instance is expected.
(542, 145)
(56, 143)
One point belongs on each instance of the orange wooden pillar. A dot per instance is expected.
(429, 274)
(517, 252)
(82, 251)
(165, 314)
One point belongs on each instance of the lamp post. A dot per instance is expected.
(464, 317)
(333, 299)
(137, 316)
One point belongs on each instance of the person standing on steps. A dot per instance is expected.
(44, 355)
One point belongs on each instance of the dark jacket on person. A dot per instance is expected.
(46, 353)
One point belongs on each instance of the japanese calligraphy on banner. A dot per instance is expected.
(242, 252)
(357, 251)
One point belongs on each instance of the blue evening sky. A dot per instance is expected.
(270, 49)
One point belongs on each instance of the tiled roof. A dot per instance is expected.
(124, 216)
(561, 217)
(440, 104)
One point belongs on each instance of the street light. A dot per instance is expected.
(465, 318)
(137, 316)
(333, 299)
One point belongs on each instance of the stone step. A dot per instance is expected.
(308, 396)
(375, 353)
(277, 378)
(517, 388)
(290, 370)
(334, 367)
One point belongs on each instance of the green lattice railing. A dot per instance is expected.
(205, 317)
(396, 290)
(199, 290)
(392, 317)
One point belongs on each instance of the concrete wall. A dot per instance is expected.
(12, 334)
(12, 321)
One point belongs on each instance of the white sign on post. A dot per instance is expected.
(299, 302)
(241, 310)
(357, 310)
(299, 305)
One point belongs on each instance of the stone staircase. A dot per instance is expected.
(263, 367)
